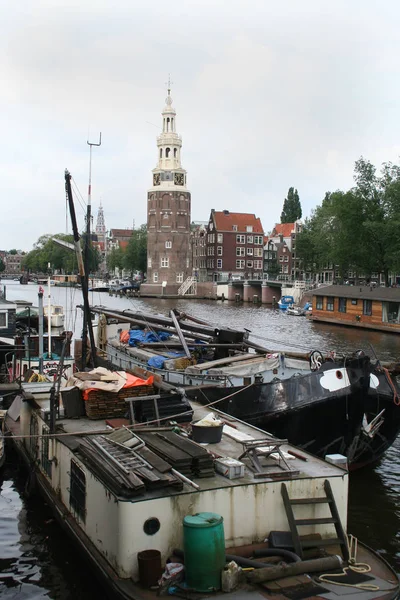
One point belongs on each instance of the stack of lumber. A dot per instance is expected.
(185, 456)
(103, 405)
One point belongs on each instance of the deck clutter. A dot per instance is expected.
(326, 402)
(151, 507)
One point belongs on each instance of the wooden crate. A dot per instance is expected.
(107, 405)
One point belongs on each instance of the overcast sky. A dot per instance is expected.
(268, 95)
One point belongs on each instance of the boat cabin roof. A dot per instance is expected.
(362, 292)
(274, 454)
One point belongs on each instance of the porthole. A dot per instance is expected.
(339, 374)
(151, 526)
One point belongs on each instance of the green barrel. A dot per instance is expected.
(204, 547)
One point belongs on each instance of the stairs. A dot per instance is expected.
(189, 287)
(294, 523)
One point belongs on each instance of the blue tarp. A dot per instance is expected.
(158, 361)
(136, 336)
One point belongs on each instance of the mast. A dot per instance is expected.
(86, 314)
(48, 314)
(84, 279)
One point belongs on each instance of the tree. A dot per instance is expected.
(115, 260)
(135, 257)
(2, 266)
(291, 211)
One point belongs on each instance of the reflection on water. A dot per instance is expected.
(37, 560)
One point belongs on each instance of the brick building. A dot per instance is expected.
(234, 246)
(282, 244)
(169, 260)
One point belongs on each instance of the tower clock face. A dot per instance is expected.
(179, 179)
(156, 179)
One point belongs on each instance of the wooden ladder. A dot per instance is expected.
(294, 524)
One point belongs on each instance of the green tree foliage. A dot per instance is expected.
(2, 266)
(115, 259)
(356, 230)
(135, 256)
(291, 211)
(46, 251)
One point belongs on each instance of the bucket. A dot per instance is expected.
(150, 569)
(207, 435)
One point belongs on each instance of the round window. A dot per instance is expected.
(151, 526)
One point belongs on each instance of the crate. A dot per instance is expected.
(107, 405)
(229, 467)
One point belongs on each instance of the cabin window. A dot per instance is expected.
(77, 491)
(320, 303)
(354, 302)
(342, 305)
(44, 455)
(329, 303)
(390, 312)
(3, 319)
(367, 308)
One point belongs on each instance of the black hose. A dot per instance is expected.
(249, 562)
(290, 556)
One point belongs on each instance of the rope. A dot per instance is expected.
(136, 425)
(353, 566)
(396, 397)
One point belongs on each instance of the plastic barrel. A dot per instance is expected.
(150, 570)
(204, 547)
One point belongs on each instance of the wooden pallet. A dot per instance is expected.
(107, 405)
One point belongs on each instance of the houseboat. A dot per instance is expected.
(133, 497)
(362, 306)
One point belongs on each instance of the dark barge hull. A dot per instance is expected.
(311, 417)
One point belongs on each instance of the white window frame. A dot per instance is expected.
(250, 239)
(240, 264)
(155, 277)
(168, 244)
(249, 264)
(240, 239)
(240, 251)
(258, 252)
(164, 262)
(249, 252)
(219, 263)
(258, 239)
(179, 278)
(220, 238)
(249, 228)
(258, 264)
(149, 262)
(219, 250)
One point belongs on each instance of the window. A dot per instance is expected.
(210, 263)
(210, 251)
(258, 264)
(342, 305)
(367, 307)
(249, 264)
(240, 239)
(258, 239)
(281, 258)
(3, 319)
(167, 150)
(219, 263)
(168, 244)
(219, 250)
(220, 238)
(319, 304)
(249, 228)
(234, 227)
(164, 262)
(286, 258)
(77, 491)
(240, 264)
(329, 303)
(390, 311)
(179, 278)
(249, 239)
(240, 251)
(258, 252)
(286, 269)
(44, 455)
(249, 251)
(155, 277)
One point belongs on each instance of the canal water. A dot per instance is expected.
(37, 560)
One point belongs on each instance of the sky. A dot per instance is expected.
(268, 95)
